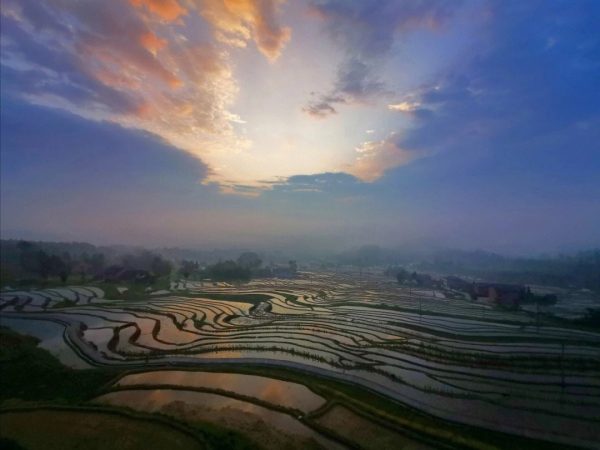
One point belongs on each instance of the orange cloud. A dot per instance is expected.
(152, 42)
(376, 157)
(237, 21)
(167, 10)
(124, 61)
(404, 106)
(123, 66)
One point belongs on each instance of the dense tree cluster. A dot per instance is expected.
(35, 262)
(228, 271)
(24, 261)
(247, 265)
(187, 268)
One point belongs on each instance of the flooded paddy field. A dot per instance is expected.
(272, 391)
(271, 429)
(456, 360)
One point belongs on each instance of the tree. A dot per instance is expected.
(402, 276)
(249, 260)
(28, 258)
(592, 317)
(44, 264)
(65, 271)
(293, 266)
(161, 267)
(55, 265)
(228, 271)
(97, 262)
(187, 268)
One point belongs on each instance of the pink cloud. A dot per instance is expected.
(116, 64)
(237, 21)
(167, 10)
(152, 42)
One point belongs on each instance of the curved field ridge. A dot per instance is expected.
(455, 359)
(276, 392)
(268, 428)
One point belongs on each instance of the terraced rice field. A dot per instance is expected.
(272, 429)
(276, 392)
(454, 359)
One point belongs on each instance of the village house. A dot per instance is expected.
(505, 295)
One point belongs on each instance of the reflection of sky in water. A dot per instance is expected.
(270, 390)
(51, 337)
(157, 399)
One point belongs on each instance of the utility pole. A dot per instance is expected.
(562, 365)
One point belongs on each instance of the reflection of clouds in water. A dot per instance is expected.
(273, 391)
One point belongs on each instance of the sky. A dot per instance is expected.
(318, 124)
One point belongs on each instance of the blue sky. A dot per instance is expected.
(472, 124)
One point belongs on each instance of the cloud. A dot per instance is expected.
(167, 10)
(152, 42)
(412, 108)
(374, 158)
(355, 83)
(236, 22)
(315, 187)
(147, 64)
(322, 107)
(404, 106)
(366, 30)
(126, 62)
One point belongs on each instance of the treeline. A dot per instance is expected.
(28, 263)
(222, 271)
(25, 262)
(581, 270)
(247, 266)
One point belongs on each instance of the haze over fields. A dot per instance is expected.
(299, 224)
(327, 124)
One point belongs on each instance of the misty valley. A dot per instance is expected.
(346, 357)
